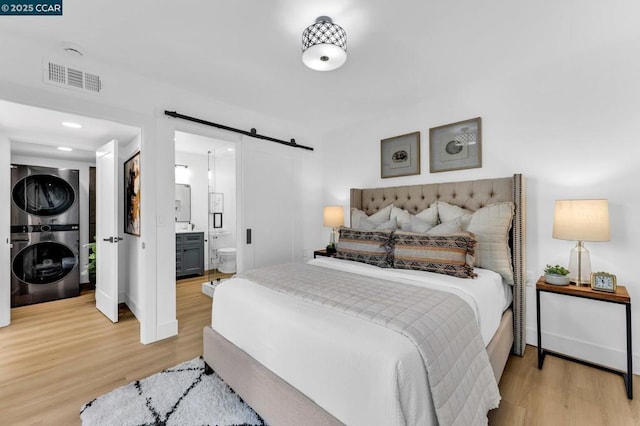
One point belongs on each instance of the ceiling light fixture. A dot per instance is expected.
(324, 45)
(71, 125)
(64, 148)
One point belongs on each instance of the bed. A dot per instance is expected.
(304, 342)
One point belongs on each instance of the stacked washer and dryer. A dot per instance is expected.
(45, 234)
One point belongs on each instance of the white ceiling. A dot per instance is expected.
(247, 52)
(39, 132)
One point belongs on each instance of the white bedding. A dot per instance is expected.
(361, 373)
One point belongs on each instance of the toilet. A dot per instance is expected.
(227, 260)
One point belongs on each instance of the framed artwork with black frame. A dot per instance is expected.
(400, 155)
(132, 195)
(456, 146)
(217, 220)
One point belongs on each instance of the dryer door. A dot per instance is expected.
(43, 195)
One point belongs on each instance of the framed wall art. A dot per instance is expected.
(400, 155)
(132, 195)
(456, 146)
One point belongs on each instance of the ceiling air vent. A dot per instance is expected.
(71, 77)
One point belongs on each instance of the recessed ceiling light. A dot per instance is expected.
(72, 125)
(64, 148)
(230, 149)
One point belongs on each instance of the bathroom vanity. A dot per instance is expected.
(189, 253)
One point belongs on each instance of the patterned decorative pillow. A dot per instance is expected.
(490, 225)
(444, 254)
(366, 246)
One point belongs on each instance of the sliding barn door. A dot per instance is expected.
(268, 197)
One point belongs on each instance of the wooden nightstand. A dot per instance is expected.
(621, 297)
(322, 252)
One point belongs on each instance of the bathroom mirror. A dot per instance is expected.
(183, 203)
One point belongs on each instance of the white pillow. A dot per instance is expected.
(491, 225)
(378, 217)
(367, 225)
(419, 225)
(446, 228)
(402, 216)
(429, 215)
(448, 212)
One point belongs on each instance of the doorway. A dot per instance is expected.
(205, 205)
(62, 142)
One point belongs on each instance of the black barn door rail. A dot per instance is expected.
(253, 133)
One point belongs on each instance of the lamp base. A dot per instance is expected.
(580, 265)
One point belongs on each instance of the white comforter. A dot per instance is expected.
(361, 373)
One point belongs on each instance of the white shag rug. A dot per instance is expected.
(182, 396)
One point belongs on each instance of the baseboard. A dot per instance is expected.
(133, 307)
(167, 329)
(598, 354)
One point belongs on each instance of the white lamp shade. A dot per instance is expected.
(324, 57)
(581, 220)
(333, 216)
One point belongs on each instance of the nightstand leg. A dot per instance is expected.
(540, 355)
(628, 380)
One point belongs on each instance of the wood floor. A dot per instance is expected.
(56, 356)
(563, 393)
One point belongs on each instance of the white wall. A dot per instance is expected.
(83, 199)
(225, 183)
(570, 126)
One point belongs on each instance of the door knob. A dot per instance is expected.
(110, 239)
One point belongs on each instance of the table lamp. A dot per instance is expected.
(333, 217)
(581, 220)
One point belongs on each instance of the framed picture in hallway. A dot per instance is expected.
(132, 195)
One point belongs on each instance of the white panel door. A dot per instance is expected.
(107, 230)
(268, 201)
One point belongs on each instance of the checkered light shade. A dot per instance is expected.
(324, 45)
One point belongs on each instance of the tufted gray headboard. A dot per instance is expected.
(471, 195)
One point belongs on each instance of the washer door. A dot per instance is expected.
(43, 263)
(43, 195)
